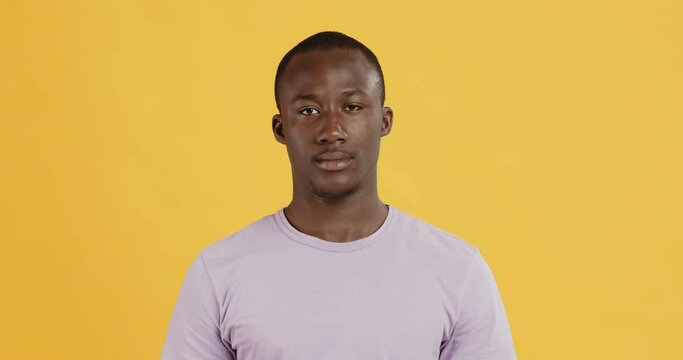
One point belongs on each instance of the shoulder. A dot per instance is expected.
(431, 237)
(252, 238)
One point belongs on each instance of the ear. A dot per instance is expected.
(387, 120)
(278, 129)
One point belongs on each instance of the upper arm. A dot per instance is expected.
(193, 332)
(481, 330)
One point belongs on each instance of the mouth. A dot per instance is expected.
(334, 164)
(333, 161)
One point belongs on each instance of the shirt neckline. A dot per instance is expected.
(318, 243)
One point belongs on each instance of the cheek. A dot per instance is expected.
(295, 151)
(372, 132)
(298, 152)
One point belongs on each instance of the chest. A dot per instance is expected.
(336, 313)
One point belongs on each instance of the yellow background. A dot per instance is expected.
(548, 134)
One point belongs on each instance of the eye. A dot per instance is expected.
(308, 111)
(352, 107)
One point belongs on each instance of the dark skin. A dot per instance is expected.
(330, 102)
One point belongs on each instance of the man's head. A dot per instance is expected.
(327, 40)
(330, 94)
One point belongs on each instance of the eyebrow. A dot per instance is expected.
(304, 97)
(346, 93)
(353, 92)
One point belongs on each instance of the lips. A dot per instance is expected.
(337, 155)
(333, 161)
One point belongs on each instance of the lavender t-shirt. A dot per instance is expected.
(408, 291)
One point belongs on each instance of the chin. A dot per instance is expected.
(335, 191)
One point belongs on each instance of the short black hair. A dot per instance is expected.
(328, 40)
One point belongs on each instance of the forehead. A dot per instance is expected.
(327, 70)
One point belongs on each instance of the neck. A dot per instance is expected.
(350, 218)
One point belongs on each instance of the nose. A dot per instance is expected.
(332, 130)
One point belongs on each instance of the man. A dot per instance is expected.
(337, 274)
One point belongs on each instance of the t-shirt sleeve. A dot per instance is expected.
(481, 331)
(193, 332)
